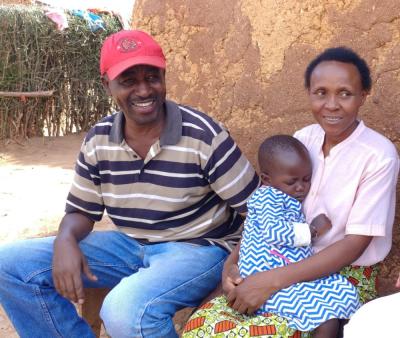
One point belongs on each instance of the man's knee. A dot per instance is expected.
(118, 322)
(138, 320)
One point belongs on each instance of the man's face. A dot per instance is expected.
(140, 93)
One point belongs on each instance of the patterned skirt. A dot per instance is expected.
(217, 319)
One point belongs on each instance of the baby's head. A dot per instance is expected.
(285, 165)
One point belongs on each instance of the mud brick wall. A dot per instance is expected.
(242, 62)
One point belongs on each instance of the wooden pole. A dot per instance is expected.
(28, 94)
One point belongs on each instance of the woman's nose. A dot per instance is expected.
(331, 102)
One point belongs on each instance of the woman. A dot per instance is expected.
(354, 179)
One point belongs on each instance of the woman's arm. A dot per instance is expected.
(252, 292)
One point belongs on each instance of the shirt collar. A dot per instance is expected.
(170, 135)
(353, 136)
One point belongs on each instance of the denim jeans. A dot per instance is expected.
(150, 283)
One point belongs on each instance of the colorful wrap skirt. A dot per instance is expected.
(217, 319)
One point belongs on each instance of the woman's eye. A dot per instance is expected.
(345, 94)
(319, 93)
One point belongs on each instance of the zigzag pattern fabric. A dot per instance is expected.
(268, 243)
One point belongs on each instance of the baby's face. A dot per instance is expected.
(291, 174)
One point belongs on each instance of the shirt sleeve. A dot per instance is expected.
(270, 218)
(85, 194)
(301, 136)
(230, 173)
(302, 234)
(372, 213)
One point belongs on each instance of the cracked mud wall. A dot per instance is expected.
(242, 62)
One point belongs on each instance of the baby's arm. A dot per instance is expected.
(320, 225)
(305, 233)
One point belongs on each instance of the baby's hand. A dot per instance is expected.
(320, 225)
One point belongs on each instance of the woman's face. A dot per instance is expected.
(336, 95)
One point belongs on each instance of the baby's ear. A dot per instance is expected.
(265, 178)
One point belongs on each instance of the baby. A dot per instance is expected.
(276, 234)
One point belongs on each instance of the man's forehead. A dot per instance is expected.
(140, 68)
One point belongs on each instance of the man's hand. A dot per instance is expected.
(320, 225)
(68, 264)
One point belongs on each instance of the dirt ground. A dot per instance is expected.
(35, 177)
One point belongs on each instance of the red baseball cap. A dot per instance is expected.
(128, 48)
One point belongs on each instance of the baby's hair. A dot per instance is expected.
(276, 145)
(340, 54)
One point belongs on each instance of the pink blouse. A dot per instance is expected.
(355, 186)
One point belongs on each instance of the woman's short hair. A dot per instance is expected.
(340, 54)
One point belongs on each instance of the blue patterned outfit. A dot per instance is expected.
(268, 242)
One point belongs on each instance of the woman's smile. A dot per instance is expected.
(336, 96)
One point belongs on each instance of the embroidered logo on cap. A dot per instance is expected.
(127, 45)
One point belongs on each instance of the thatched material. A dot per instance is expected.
(35, 57)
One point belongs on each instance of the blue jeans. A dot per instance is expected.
(150, 283)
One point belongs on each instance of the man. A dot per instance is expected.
(174, 183)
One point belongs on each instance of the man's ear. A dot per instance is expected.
(265, 179)
(106, 84)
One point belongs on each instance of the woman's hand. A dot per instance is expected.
(398, 282)
(230, 274)
(253, 291)
(230, 277)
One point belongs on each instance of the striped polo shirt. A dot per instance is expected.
(191, 186)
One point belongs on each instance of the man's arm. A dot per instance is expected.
(252, 292)
(68, 260)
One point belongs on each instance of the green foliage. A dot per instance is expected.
(35, 56)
